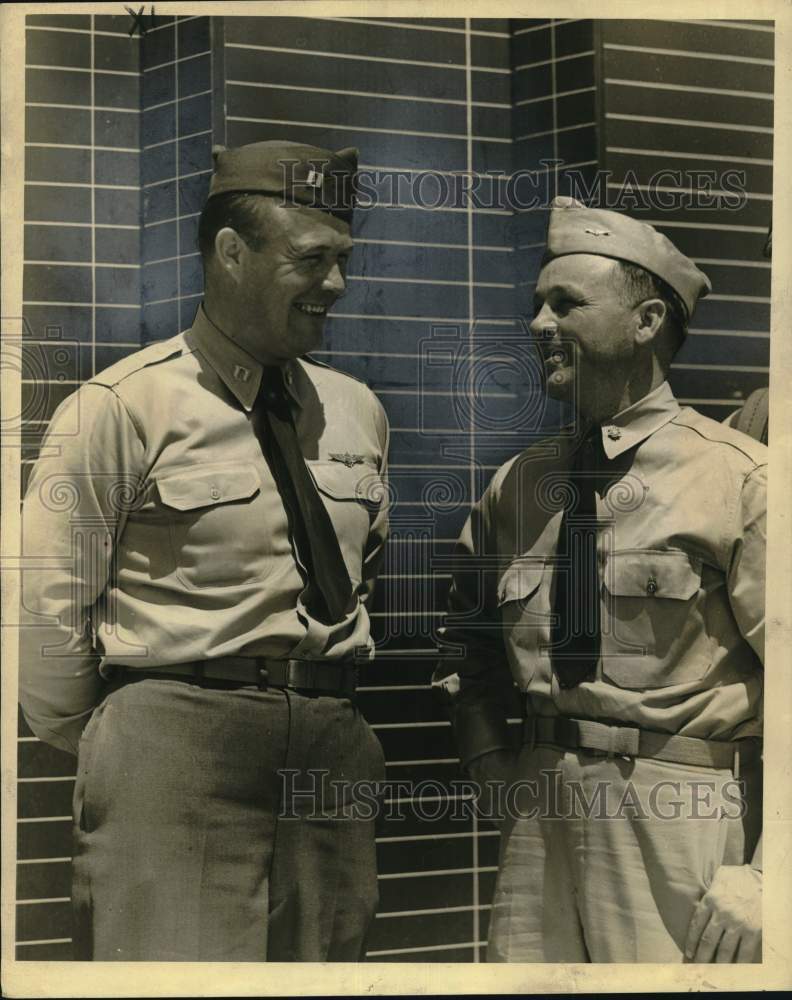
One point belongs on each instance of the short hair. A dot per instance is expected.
(242, 211)
(636, 284)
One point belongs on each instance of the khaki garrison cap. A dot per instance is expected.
(575, 228)
(299, 174)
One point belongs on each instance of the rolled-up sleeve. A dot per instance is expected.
(74, 510)
(748, 548)
(476, 684)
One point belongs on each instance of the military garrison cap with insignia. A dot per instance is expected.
(299, 174)
(575, 228)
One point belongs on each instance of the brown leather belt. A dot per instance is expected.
(315, 677)
(629, 741)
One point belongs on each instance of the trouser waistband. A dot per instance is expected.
(630, 741)
(313, 677)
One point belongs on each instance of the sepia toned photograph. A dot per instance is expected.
(386, 447)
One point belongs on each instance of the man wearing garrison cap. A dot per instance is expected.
(610, 592)
(208, 517)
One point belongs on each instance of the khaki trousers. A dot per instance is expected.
(605, 858)
(189, 845)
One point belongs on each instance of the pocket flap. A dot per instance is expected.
(203, 488)
(520, 580)
(341, 482)
(652, 573)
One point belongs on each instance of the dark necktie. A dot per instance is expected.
(328, 587)
(576, 608)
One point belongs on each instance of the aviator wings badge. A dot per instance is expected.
(347, 459)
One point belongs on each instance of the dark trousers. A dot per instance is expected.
(189, 845)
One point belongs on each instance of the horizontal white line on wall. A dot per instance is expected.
(83, 184)
(363, 206)
(80, 263)
(178, 138)
(437, 871)
(688, 53)
(69, 145)
(366, 128)
(430, 281)
(695, 366)
(689, 123)
(651, 85)
(420, 319)
(437, 909)
(167, 260)
(706, 225)
(392, 687)
(698, 401)
(701, 332)
(716, 157)
(442, 723)
(552, 97)
(423, 949)
(84, 69)
(365, 93)
(434, 836)
(172, 62)
(44, 861)
(79, 31)
(39, 902)
(80, 107)
(175, 100)
(670, 189)
(732, 262)
(45, 819)
(81, 225)
(42, 941)
(65, 777)
(180, 177)
(421, 763)
(738, 25)
(435, 246)
(459, 67)
(556, 60)
(174, 218)
(553, 131)
(414, 27)
(85, 305)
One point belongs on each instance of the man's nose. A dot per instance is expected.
(543, 321)
(334, 280)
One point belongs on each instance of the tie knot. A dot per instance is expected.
(272, 391)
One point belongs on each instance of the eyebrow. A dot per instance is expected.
(574, 291)
(303, 246)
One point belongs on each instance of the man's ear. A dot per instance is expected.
(229, 250)
(651, 316)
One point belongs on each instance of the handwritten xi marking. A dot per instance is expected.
(138, 22)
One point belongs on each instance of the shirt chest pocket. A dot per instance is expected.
(352, 496)
(215, 522)
(524, 603)
(653, 633)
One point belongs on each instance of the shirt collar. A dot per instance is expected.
(237, 369)
(637, 422)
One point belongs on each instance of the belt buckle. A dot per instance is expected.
(262, 675)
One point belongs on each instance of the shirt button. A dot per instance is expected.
(214, 493)
(651, 586)
(614, 433)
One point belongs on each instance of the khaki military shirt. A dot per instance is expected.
(681, 549)
(153, 532)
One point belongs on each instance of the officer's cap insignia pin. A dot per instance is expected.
(314, 178)
(347, 459)
(597, 232)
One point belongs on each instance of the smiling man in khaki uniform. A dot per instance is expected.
(208, 519)
(616, 576)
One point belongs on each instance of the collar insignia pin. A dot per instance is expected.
(241, 374)
(347, 459)
(314, 178)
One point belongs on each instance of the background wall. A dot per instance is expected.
(118, 155)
